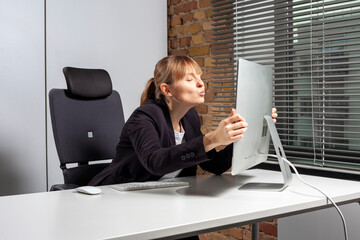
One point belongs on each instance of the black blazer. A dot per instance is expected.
(147, 149)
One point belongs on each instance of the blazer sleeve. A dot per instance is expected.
(154, 144)
(220, 160)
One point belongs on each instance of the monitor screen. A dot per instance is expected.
(253, 102)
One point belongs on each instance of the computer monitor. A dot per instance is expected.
(254, 103)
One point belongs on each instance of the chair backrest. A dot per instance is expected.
(87, 120)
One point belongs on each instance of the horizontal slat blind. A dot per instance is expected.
(317, 82)
(314, 49)
(223, 60)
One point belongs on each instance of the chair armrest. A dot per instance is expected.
(58, 187)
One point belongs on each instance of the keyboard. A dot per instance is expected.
(133, 186)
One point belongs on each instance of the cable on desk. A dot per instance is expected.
(328, 198)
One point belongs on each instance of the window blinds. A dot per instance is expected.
(223, 60)
(314, 49)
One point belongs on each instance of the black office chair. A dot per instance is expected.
(87, 119)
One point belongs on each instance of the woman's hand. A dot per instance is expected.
(274, 115)
(229, 130)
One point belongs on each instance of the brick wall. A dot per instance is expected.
(189, 33)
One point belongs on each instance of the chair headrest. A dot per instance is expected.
(88, 83)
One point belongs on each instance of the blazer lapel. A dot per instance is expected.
(189, 130)
(168, 121)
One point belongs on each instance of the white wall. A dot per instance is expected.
(124, 37)
(322, 224)
(22, 97)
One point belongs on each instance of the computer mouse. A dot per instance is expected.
(91, 190)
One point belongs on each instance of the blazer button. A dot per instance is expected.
(192, 154)
(183, 157)
(187, 156)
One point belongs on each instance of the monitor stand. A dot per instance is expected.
(285, 169)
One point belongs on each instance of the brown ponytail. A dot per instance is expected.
(149, 92)
(167, 70)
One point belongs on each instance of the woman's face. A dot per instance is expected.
(190, 89)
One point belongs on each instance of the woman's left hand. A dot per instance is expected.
(274, 114)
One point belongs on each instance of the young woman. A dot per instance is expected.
(162, 138)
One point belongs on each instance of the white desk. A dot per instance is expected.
(210, 203)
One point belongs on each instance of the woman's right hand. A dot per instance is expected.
(229, 130)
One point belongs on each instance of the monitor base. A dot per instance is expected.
(280, 153)
(276, 187)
